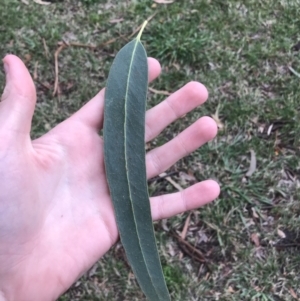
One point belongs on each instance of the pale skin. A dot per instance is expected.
(56, 215)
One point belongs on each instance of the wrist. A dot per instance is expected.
(35, 278)
(29, 281)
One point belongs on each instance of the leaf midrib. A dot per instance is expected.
(127, 175)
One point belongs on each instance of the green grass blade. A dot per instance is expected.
(124, 147)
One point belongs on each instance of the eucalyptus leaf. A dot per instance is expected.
(124, 155)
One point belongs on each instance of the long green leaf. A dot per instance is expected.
(124, 152)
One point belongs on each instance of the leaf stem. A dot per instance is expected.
(141, 31)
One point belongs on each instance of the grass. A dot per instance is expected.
(241, 51)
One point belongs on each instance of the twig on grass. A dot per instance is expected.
(46, 85)
(190, 249)
(169, 179)
(184, 231)
(45, 48)
(35, 75)
(162, 176)
(294, 71)
(75, 44)
(56, 84)
(159, 91)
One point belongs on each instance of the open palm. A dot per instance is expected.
(56, 215)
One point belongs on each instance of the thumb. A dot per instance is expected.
(18, 99)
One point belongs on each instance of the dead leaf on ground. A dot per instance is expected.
(11, 43)
(163, 1)
(270, 130)
(202, 237)
(218, 121)
(41, 2)
(216, 118)
(35, 75)
(255, 239)
(187, 178)
(27, 58)
(114, 21)
(293, 294)
(164, 225)
(252, 166)
(259, 253)
(171, 249)
(230, 290)
(177, 66)
(254, 213)
(281, 234)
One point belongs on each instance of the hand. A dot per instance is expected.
(56, 215)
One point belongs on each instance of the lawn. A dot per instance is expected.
(245, 245)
